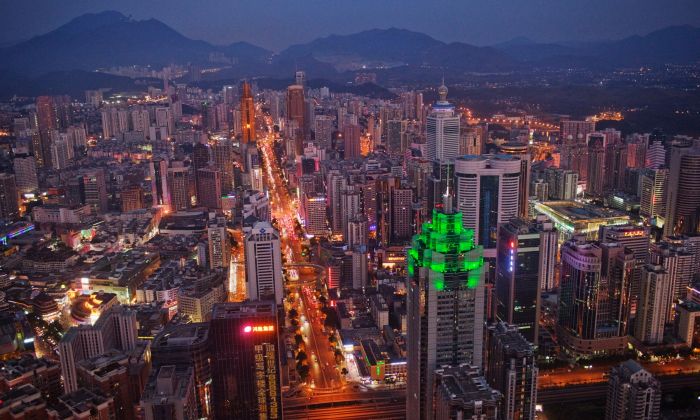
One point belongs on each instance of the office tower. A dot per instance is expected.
(223, 158)
(369, 200)
(187, 345)
(575, 130)
(160, 192)
(197, 298)
(511, 369)
(401, 215)
(209, 187)
(445, 305)
(652, 202)
(679, 262)
(314, 209)
(526, 255)
(247, 114)
(462, 393)
(263, 263)
(95, 190)
(442, 129)
(9, 209)
(245, 361)
(351, 141)
(116, 328)
(323, 130)
(201, 156)
(179, 188)
(336, 183)
(170, 394)
(295, 112)
(164, 118)
(487, 192)
(594, 303)
(359, 267)
(470, 141)
(637, 240)
(394, 132)
(540, 190)
(24, 166)
(131, 198)
(655, 303)
(350, 206)
(358, 231)
(655, 156)
(562, 184)
(596, 165)
(300, 77)
(229, 94)
(47, 121)
(61, 152)
(219, 244)
(616, 156)
(633, 394)
(682, 198)
(522, 151)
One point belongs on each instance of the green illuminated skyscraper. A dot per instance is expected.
(445, 304)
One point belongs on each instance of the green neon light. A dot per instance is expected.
(445, 246)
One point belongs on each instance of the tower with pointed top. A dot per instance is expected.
(445, 302)
(247, 114)
(442, 129)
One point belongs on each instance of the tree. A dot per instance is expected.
(303, 372)
(293, 313)
(294, 322)
(344, 371)
(332, 339)
(299, 339)
(322, 299)
(338, 356)
(301, 356)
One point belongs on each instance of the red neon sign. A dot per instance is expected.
(258, 328)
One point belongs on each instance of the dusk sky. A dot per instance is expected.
(276, 24)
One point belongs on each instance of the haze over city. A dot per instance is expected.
(350, 210)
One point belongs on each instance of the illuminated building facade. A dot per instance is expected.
(247, 114)
(245, 361)
(573, 218)
(445, 305)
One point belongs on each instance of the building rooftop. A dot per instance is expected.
(243, 310)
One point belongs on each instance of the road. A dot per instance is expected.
(236, 279)
(350, 404)
(323, 374)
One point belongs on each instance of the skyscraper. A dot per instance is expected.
(445, 305)
(401, 214)
(263, 263)
(655, 303)
(442, 129)
(652, 201)
(511, 369)
(24, 166)
(95, 189)
(575, 130)
(682, 198)
(462, 393)
(351, 140)
(487, 192)
(323, 130)
(526, 254)
(9, 209)
(295, 112)
(159, 183)
(219, 244)
(245, 361)
(170, 394)
(179, 188)
(596, 165)
(633, 394)
(47, 121)
(209, 187)
(594, 302)
(131, 198)
(247, 114)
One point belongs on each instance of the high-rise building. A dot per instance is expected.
(655, 156)
(682, 199)
(314, 205)
(170, 394)
(633, 394)
(596, 165)
(655, 303)
(24, 166)
(358, 231)
(245, 361)
(179, 188)
(394, 132)
(678, 260)
(336, 183)
(116, 328)
(159, 183)
(247, 114)
(263, 263)
(296, 112)
(323, 130)
(401, 214)
(562, 184)
(526, 255)
(9, 209)
(462, 393)
(219, 244)
(350, 206)
(223, 158)
(209, 187)
(594, 302)
(652, 201)
(487, 192)
(442, 129)
(95, 190)
(351, 140)
(511, 369)
(445, 305)
(187, 345)
(47, 121)
(575, 130)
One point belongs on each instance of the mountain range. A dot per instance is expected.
(109, 39)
